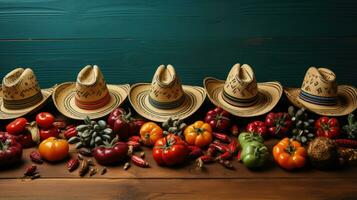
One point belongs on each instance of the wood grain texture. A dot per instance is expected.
(129, 39)
(179, 189)
(132, 61)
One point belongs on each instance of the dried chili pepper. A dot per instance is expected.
(211, 151)
(225, 156)
(222, 137)
(233, 146)
(36, 157)
(219, 146)
(134, 144)
(195, 151)
(30, 170)
(204, 160)
(84, 168)
(72, 164)
(139, 161)
(135, 138)
(85, 152)
(126, 166)
(349, 143)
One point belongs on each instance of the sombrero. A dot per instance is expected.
(165, 97)
(89, 95)
(320, 94)
(21, 94)
(241, 95)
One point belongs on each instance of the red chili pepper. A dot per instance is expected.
(235, 130)
(239, 155)
(70, 132)
(72, 164)
(327, 127)
(30, 170)
(36, 157)
(204, 160)
(134, 144)
(278, 123)
(139, 161)
(233, 146)
(225, 156)
(257, 127)
(135, 138)
(222, 137)
(348, 143)
(195, 151)
(211, 151)
(219, 146)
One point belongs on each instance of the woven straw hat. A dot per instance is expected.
(21, 94)
(320, 94)
(89, 95)
(241, 95)
(165, 97)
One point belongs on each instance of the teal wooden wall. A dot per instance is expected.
(130, 38)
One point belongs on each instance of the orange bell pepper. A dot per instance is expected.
(199, 134)
(289, 154)
(150, 133)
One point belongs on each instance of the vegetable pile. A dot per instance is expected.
(219, 138)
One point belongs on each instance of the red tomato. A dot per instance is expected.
(51, 132)
(45, 119)
(170, 150)
(17, 126)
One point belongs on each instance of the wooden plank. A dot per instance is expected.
(283, 59)
(179, 189)
(155, 19)
(189, 170)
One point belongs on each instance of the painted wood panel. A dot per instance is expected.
(129, 39)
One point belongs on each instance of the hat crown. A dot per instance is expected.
(90, 87)
(241, 82)
(166, 89)
(320, 82)
(20, 86)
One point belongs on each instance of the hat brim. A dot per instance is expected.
(269, 94)
(64, 100)
(346, 101)
(15, 113)
(139, 99)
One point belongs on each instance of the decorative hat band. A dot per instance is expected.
(92, 105)
(167, 105)
(238, 101)
(318, 100)
(23, 103)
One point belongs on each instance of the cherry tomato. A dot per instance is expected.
(45, 119)
(17, 126)
(50, 132)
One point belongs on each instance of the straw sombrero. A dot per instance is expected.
(20, 94)
(241, 95)
(165, 97)
(320, 94)
(89, 96)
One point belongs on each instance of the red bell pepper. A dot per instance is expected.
(327, 127)
(278, 123)
(219, 119)
(257, 127)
